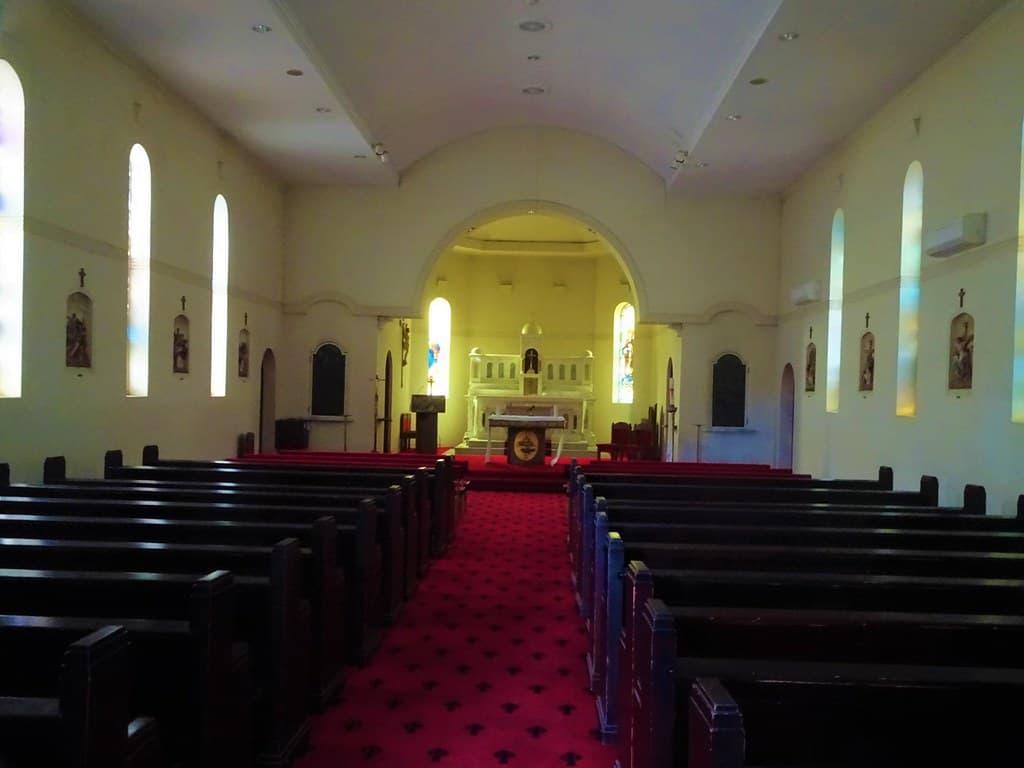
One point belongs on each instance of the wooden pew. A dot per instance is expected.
(322, 581)
(355, 528)
(272, 617)
(70, 704)
(813, 714)
(188, 673)
(402, 502)
(890, 619)
(439, 522)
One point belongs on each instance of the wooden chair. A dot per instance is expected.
(641, 441)
(406, 432)
(621, 432)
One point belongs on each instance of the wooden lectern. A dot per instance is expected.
(426, 408)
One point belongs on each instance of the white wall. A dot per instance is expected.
(373, 252)
(85, 108)
(970, 106)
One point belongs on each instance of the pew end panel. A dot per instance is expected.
(715, 724)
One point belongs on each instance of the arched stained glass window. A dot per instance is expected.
(1018, 323)
(439, 323)
(140, 206)
(834, 350)
(624, 338)
(12, 232)
(910, 290)
(219, 287)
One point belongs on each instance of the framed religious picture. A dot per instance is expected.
(179, 351)
(867, 363)
(961, 351)
(810, 367)
(243, 353)
(78, 331)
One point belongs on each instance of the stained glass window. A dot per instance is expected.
(834, 350)
(219, 311)
(140, 202)
(12, 233)
(439, 321)
(624, 337)
(1018, 323)
(910, 290)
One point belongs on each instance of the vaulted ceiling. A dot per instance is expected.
(658, 78)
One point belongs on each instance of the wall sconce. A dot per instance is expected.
(380, 152)
(441, 282)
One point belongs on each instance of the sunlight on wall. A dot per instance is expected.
(1018, 317)
(12, 235)
(834, 350)
(439, 352)
(219, 311)
(624, 337)
(910, 291)
(140, 200)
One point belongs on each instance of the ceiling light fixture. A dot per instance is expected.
(380, 152)
(534, 90)
(534, 25)
(759, 81)
(533, 57)
(788, 37)
(323, 110)
(358, 157)
(734, 117)
(261, 28)
(294, 72)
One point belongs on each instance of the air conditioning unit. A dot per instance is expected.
(806, 293)
(966, 232)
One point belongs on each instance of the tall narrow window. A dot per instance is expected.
(834, 351)
(1018, 323)
(140, 197)
(219, 312)
(328, 381)
(728, 392)
(624, 337)
(439, 319)
(910, 291)
(12, 237)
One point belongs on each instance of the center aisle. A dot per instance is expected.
(485, 666)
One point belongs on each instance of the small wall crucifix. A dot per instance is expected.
(961, 294)
(867, 319)
(81, 277)
(246, 322)
(182, 303)
(810, 332)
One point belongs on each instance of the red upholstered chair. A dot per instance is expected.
(621, 432)
(641, 441)
(406, 433)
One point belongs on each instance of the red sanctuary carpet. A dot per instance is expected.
(485, 666)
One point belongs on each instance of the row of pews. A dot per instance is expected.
(195, 613)
(742, 617)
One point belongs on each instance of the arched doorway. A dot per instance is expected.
(787, 394)
(388, 397)
(268, 399)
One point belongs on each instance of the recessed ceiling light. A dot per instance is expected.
(358, 157)
(534, 25)
(788, 37)
(261, 28)
(734, 117)
(323, 110)
(702, 164)
(533, 90)
(533, 57)
(294, 72)
(531, 211)
(759, 81)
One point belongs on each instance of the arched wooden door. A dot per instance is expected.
(387, 403)
(787, 394)
(268, 399)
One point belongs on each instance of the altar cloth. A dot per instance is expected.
(517, 420)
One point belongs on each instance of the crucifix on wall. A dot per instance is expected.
(182, 303)
(867, 319)
(961, 294)
(81, 278)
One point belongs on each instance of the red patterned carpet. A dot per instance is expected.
(486, 664)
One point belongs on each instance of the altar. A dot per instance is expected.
(526, 437)
(531, 384)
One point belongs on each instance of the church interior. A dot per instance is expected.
(785, 235)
